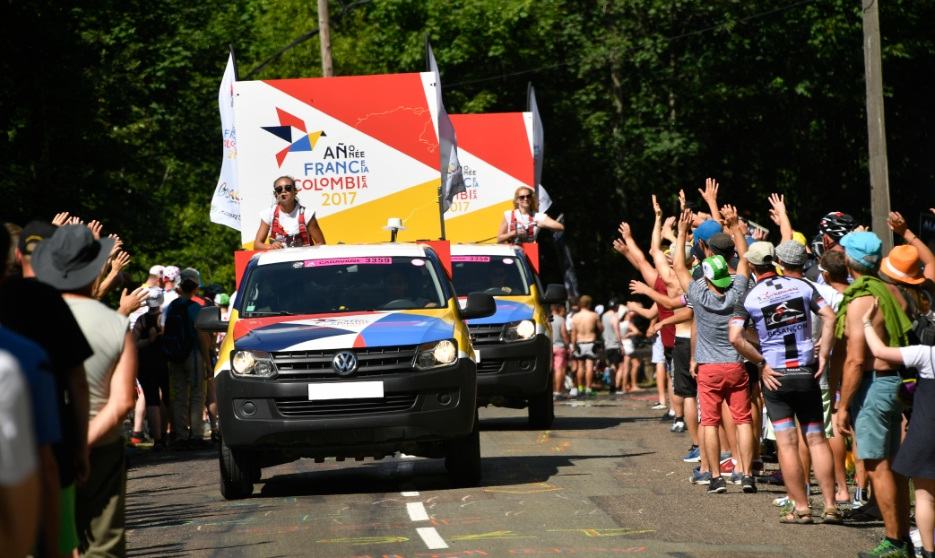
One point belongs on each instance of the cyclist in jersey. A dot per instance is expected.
(779, 308)
(522, 223)
(287, 223)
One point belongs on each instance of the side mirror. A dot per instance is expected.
(479, 305)
(209, 319)
(554, 294)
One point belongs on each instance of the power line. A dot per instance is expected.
(700, 31)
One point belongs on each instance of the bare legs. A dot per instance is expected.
(891, 492)
(925, 510)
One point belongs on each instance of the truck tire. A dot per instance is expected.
(238, 472)
(462, 459)
(542, 408)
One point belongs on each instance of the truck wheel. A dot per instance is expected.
(462, 459)
(238, 472)
(542, 409)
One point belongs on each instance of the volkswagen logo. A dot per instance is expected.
(344, 363)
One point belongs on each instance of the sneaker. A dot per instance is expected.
(659, 407)
(727, 466)
(573, 392)
(735, 478)
(137, 438)
(678, 426)
(700, 478)
(694, 455)
(717, 486)
(887, 549)
(775, 477)
(749, 484)
(589, 393)
(782, 501)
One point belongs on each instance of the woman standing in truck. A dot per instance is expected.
(522, 223)
(287, 223)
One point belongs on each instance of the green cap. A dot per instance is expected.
(715, 270)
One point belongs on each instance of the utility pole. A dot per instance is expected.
(324, 33)
(876, 126)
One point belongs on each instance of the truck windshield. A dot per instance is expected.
(342, 285)
(495, 275)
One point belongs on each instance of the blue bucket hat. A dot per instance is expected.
(863, 247)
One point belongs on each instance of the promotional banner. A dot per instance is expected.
(496, 157)
(225, 204)
(361, 149)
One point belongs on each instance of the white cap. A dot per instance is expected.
(171, 273)
(156, 270)
(394, 224)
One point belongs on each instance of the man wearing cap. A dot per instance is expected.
(869, 406)
(170, 276)
(189, 360)
(720, 372)
(779, 308)
(71, 261)
(33, 233)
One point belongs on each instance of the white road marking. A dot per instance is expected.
(431, 538)
(417, 511)
(410, 494)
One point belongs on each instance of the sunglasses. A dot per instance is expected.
(286, 187)
(524, 197)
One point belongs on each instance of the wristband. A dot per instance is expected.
(868, 324)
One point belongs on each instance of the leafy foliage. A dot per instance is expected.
(109, 110)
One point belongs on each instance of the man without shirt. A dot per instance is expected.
(585, 327)
(869, 404)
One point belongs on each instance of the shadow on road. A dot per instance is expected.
(424, 475)
(561, 423)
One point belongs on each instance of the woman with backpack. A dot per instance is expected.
(916, 457)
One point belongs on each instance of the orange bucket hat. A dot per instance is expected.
(902, 265)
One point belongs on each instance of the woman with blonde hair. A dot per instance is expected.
(522, 223)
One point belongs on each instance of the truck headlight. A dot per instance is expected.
(253, 364)
(436, 354)
(518, 331)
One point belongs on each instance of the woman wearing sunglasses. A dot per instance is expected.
(287, 224)
(522, 224)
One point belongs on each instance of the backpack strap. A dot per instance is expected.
(303, 227)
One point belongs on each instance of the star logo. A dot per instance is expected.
(304, 142)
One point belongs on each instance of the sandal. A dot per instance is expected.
(795, 516)
(832, 516)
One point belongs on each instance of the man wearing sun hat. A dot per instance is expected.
(71, 260)
(869, 405)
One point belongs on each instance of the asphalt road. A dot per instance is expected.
(606, 480)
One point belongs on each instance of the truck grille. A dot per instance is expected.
(489, 366)
(485, 334)
(316, 365)
(300, 407)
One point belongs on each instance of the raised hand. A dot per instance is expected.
(709, 194)
(74, 220)
(896, 223)
(778, 202)
(760, 234)
(95, 227)
(620, 246)
(729, 215)
(683, 203)
(657, 210)
(60, 219)
(117, 244)
(121, 260)
(129, 302)
(685, 220)
(639, 287)
(667, 230)
(624, 230)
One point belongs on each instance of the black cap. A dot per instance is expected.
(32, 233)
(722, 244)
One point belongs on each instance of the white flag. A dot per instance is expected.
(545, 200)
(225, 205)
(452, 176)
(538, 146)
